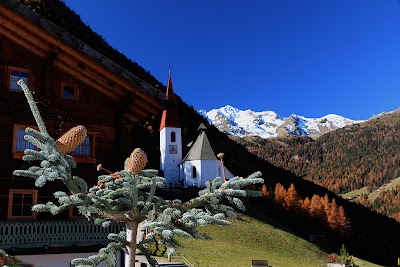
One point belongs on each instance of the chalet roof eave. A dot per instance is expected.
(76, 50)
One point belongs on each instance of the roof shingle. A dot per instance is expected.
(202, 148)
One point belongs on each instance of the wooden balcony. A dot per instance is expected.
(31, 234)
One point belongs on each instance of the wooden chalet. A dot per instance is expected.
(73, 84)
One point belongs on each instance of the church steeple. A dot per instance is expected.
(170, 139)
(170, 117)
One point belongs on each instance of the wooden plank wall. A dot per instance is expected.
(92, 109)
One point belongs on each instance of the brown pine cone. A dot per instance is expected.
(71, 139)
(136, 161)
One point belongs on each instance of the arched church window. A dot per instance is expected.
(173, 137)
(194, 172)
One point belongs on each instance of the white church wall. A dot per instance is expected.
(206, 170)
(187, 173)
(171, 154)
(209, 170)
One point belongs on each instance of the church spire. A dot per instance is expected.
(170, 117)
(170, 92)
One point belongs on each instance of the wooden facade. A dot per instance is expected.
(73, 85)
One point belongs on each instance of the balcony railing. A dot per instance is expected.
(31, 234)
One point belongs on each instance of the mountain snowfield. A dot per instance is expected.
(268, 124)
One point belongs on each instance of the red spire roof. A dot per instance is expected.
(170, 117)
(170, 93)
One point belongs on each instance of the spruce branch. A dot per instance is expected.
(33, 106)
(128, 196)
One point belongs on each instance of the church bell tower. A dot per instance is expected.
(170, 139)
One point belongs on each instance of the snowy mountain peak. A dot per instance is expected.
(229, 110)
(267, 124)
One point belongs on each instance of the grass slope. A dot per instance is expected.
(355, 193)
(250, 239)
(375, 193)
(386, 187)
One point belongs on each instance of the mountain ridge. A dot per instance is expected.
(268, 124)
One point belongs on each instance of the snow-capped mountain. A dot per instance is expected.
(267, 124)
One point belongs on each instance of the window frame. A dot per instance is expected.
(92, 157)
(18, 154)
(9, 70)
(11, 193)
(173, 137)
(72, 216)
(194, 172)
(76, 91)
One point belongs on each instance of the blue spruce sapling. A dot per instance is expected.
(127, 196)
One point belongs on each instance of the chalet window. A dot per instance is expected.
(85, 152)
(20, 202)
(69, 91)
(19, 143)
(74, 214)
(194, 172)
(173, 137)
(14, 75)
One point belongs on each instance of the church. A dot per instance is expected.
(200, 164)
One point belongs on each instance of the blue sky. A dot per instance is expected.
(308, 57)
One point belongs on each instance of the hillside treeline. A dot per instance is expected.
(343, 160)
(318, 214)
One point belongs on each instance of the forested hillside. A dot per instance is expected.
(354, 157)
(369, 236)
(366, 154)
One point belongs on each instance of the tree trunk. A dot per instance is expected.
(131, 232)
